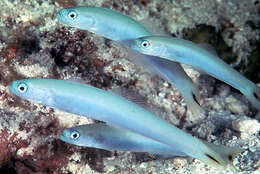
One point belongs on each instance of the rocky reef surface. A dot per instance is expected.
(34, 44)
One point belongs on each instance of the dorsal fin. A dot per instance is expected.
(130, 95)
(136, 98)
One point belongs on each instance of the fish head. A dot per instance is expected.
(146, 45)
(76, 17)
(71, 136)
(82, 135)
(32, 90)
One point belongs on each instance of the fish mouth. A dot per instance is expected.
(63, 136)
(59, 17)
(11, 87)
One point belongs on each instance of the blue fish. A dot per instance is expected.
(189, 53)
(119, 27)
(110, 138)
(116, 111)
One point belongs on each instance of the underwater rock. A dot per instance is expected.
(246, 125)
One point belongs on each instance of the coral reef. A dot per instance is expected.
(34, 44)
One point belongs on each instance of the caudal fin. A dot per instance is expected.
(192, 99)
(220, 156)
(253, 96)
(256, 95)
(257, 92)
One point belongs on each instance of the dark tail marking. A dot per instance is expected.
(256, 96)
(195, 99)
(214, 158)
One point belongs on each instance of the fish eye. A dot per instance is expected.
(72, 14)
(145, 44)
(22, 87)
(75, 135)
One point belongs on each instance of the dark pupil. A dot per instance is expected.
(21, 88)
(72, 15)
(75, 135)
(145, 44)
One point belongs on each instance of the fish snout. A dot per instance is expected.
(65, 134)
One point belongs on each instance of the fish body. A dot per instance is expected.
(119, 27)
(116, 111)
(110, 138)
(102, 21)
(189, 53)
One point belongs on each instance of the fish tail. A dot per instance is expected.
(257, 92)
(253, 95)
(256, 95)
(196, 93)
(196, 110)
(220, 156)
(193, 103)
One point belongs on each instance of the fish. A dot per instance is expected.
(116, 111)
(105, 137)
(121, 28)
(189, 53)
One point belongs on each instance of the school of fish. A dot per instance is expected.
(129, 126)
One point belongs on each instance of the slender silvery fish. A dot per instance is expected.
(110, 138)
(189, 53)
(116, 111)
(119, 27)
